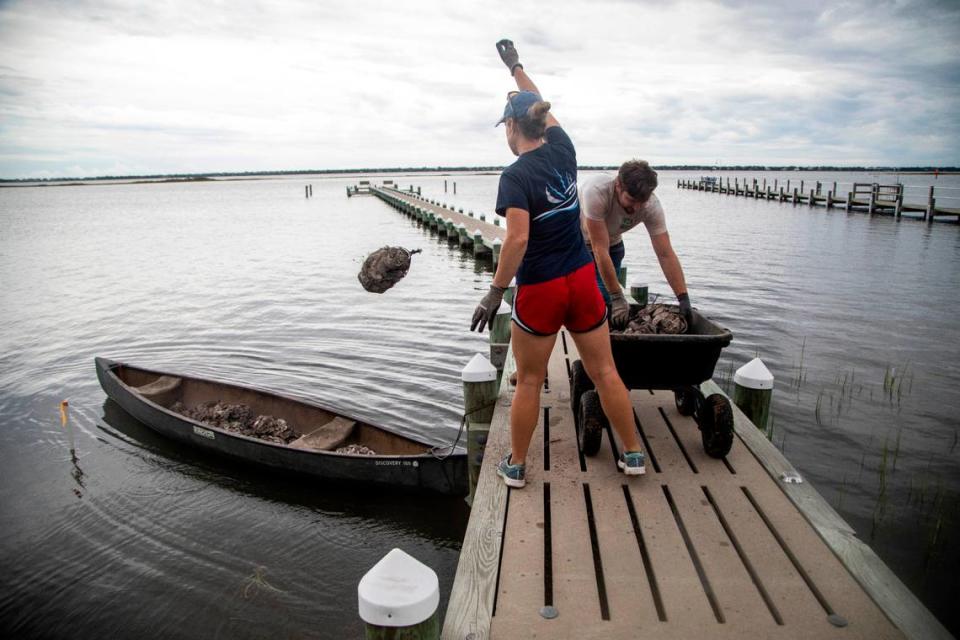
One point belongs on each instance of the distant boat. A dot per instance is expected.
(399, 461)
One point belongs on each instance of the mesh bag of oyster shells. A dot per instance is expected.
(384, 268)
(663, 319)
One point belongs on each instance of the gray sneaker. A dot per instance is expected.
(514, 475)
(632, 463)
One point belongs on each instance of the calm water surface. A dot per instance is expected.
(250, 282)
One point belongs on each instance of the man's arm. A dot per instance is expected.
(669, 262)
(600, 244)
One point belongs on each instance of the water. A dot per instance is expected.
(250, 282)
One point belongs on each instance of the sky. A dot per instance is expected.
(91, 88)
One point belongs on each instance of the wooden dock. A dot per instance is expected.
(697, 548)
(476, 232)
(869, 197)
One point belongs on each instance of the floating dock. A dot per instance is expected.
(870, 197)
(696, 548)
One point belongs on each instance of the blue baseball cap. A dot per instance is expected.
(518, 103)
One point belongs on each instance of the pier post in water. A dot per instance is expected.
(400, 598)
(931, 206)
(478, 247)
(640, 292)
(622, 276)
(495, 249)
(480, 386)
(752, 391)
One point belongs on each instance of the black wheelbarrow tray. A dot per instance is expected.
(659, 361)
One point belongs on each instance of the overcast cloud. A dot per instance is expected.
(94, 88)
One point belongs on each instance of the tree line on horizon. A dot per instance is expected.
(498, 168)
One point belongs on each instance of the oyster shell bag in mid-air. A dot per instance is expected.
(384, 268)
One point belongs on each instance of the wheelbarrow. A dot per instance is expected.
(658, 361)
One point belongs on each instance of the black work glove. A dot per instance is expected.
(685, 310)
(485, 312)
(509, 55)
(619, 311)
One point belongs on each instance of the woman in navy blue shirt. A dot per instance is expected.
(545, 250)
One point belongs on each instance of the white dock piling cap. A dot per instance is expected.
(399, 591)
(754, 375)
(478, 369)
(497, 241)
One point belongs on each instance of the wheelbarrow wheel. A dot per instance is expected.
(580, 383)
(716, 425)
(591, 423)
(686, 399)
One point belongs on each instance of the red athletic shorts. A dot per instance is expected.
(572, 300)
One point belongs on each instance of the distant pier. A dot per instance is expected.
(871, 198)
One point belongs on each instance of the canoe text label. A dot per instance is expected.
(204, 433)
(397, 463)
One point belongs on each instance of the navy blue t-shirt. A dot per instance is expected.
(543, 182)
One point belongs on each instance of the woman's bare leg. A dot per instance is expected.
(532, 354)
(597, 358)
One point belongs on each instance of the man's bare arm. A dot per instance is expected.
(600, 244)
(669, 262)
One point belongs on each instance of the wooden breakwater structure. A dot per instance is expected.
(872, 198)
(697, 548)
(474, 232)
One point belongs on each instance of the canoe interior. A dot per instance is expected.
(305, 419)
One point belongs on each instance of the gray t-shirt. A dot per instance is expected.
(598, 201)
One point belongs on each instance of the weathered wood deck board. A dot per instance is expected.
(703, 548)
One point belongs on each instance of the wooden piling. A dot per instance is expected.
(794, 195)
(454, 188)
(931, 206)
(640, 293)
(480, 390)
(829, 199)
(752, 391)
(444, 187)
(495, 251)
(813, 199)
(399, 598)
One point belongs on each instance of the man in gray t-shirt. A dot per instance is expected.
(610, 206)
